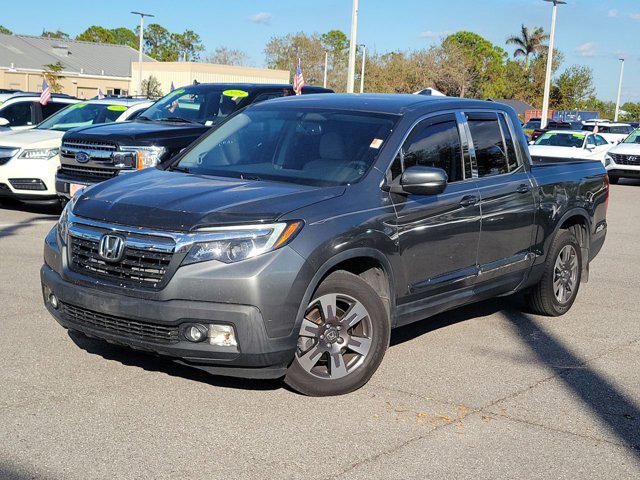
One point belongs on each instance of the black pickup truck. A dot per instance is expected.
(289, 241)
(93, 154)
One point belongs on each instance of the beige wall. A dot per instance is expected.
(184, 73)
(80, 86)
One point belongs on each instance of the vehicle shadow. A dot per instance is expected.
(8, 471)
(156, 363)
(45, 213)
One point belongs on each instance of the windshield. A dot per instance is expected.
(310, 146)
(561, 140)
(532, 125)
(197, 103)
(82, 115)
(633, 138)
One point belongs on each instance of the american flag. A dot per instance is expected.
(172, 87)
(174, 104)
(298, 79)
(45, 96)
(100, 94)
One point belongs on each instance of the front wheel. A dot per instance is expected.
(343, 338)
(556, 291)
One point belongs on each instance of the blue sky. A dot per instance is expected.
(590, 32)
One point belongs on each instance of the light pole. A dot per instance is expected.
(547, 79)
(326, 65)
(364, 56)
(351, 73)
(619, 90)
(142, 15)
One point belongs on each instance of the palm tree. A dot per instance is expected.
(529, 43)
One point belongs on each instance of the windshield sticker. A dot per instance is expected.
(577, 135)
(235, 93)
(376, 143)
(78, 105)
(117, 108)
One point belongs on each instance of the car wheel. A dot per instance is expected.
(558, 287)
(614, 180)
(343, 338)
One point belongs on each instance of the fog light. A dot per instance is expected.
(222, 335)
(195, 333)
(53, 300)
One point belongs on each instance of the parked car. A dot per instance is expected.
(623, 160)
(573, 144)
(290, 240)
(94, 154)
(551, 126)
(29, 159)
(22, 110)
(612, 132)
(531, 126)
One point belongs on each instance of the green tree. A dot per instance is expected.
(56, 34)
(151, 87)
(97, 34)
(529, 42)
(52, 76)
(125, 36)
(632, 112)
(188, 45)
(335, 41)
(159, 44)
(572, 88)
(283, 52)
(5, 30)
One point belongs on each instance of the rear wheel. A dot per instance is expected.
(555, 293)
(343, 338)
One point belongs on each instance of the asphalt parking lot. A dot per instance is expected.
(484, 391)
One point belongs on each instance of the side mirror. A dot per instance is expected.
(531, 142)
(4, 122)
(421, 181)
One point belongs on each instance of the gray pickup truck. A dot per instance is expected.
(290, 241)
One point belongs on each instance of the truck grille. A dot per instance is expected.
(625, 159)
(87, 173)
(140, 268)
(120, 326)
(76, 143)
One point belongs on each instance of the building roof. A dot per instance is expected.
(24, 51)
(519, 106)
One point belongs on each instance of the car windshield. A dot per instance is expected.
(197, 103)
(81, 115)
(561, 140)
(633, 138)
(320, 147)
(532, 125)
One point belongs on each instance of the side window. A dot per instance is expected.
(51, 108)
(18, 114)
(591, 142)
(267, 96)
(136, 114)
(601, 141)
(491, 155)
(434, 142)
(512, 158)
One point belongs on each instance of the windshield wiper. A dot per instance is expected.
(176, 119)
(144, 117)
(178, 168)
(249, 177)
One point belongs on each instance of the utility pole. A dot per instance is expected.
(142, 15)
(547, 80)
(619, 90)
(364, 56)
(326, 64)
(351, 73)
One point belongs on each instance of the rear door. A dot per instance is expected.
(506, 201)
(20, 114)
(438, 234)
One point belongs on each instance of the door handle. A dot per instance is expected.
(524, 188)
(468, 200)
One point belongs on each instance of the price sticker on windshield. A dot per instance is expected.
(376, 143)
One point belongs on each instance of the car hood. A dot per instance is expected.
(170, 200)
(32, 139)
(626, 149)
(138, 131)
(562, 152)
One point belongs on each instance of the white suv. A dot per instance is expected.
(623, 160)
(612, 132)
(29, 159)
(22, 110)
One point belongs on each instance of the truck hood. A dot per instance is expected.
(138, 132)
(176, 201)
(626, 149)
(32, 139)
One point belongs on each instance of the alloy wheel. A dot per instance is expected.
(565, 274)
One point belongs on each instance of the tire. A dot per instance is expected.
(548, 299)
(345, 312)
(614, 180)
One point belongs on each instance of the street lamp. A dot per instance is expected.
(142, 15)
(351, 73)
(326, 66)
(619, 89)
(364, 56)
(547, 80)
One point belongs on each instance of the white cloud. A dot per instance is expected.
(587, 49)
(612, 13)
(635, 16)
(431, 34)
(263, 18)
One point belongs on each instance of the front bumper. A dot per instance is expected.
(17, 169)
(260, 303)
(623, 171)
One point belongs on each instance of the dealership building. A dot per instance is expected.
(88, 66)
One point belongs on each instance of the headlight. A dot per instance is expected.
(146, 156)
(39, 153)
(63, 224)
(232, 244)
(608, 159)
